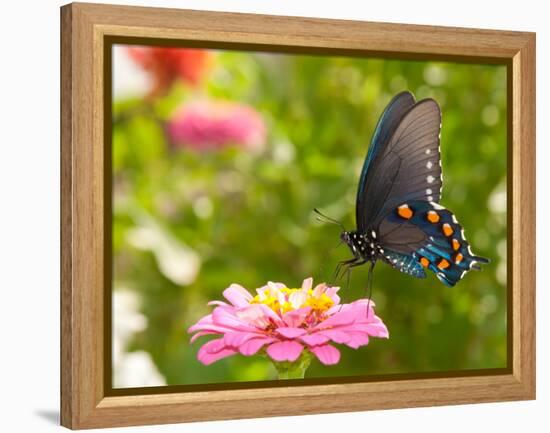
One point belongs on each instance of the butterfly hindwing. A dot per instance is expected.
(405, 263)
(429, 235)
(405, 167)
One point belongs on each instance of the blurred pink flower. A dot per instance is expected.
(285, 322)
(166, 65)
(208, 125)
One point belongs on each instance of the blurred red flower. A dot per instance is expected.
(167, 65)
(208, 125)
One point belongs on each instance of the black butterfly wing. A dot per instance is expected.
(405, 164)
(420, 234)
(387, 124)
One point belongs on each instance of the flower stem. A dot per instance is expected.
(293, 370)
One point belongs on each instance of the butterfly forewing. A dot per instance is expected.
(405, 167)
(387, 124)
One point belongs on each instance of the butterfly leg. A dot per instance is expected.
(343, 266)
(369, 284)
(360, 261)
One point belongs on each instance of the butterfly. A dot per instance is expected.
(398, 215)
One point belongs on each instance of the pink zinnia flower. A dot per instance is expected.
(286, 321)
(208, 125)
(167, 64)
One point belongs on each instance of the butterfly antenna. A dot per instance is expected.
(370, 279)
(327, 219)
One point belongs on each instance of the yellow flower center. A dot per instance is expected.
(322, 303)
(282, 301)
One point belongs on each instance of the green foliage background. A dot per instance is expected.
(320, 113)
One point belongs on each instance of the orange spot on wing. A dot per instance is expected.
(424, 262)
(456, 244)
(404, 211)
(458, 258)
(443, 264)
(432, 216)
(447, 230)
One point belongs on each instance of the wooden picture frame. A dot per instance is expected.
(86, 397)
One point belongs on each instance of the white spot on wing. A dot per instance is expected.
(428, 151)
(430, 179)
(428, 191)
(429, 165)
(436, 206)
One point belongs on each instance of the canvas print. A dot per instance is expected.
(305, 216)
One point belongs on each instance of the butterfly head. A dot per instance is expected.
(345, 237)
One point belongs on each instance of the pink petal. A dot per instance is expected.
(258, 315)
(253, 315)
(307, 283)
(335, 309)
(336, 335)
(230, 319)
(337, 319)
(331, 293)
(213, 329)
(314, 339)
(378, 330)
(237, 295)
(269, 313)
(295, 318)
(285, 350)
(327, 354)
(357, 339)
(218, 303)
(289, 332)
(276, 286)
(252, 346)
(297, 298)
(319, 290)
(214, 346)
(208, 358)
(235, 339)
(203, 320)
(200, 334)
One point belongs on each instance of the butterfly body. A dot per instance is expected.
(399, 218)
(364, 246)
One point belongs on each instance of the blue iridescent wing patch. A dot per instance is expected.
(406, 263)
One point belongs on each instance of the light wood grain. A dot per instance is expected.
(84, 403)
